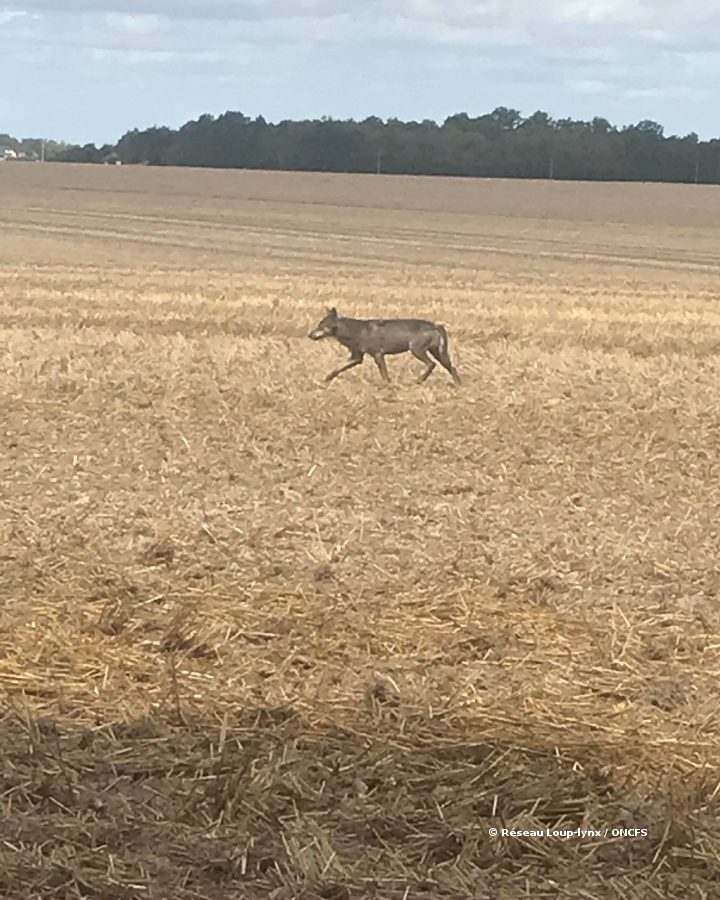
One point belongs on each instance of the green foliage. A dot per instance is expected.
(31, 148)
(498, 144)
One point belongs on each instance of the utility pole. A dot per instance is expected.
(551, 168)
(379, 160)
(697, 171)
(42, 150)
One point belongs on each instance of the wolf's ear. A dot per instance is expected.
(333, 312)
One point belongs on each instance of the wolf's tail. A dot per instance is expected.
(443, 341)
(442, 353)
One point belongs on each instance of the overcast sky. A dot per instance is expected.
(89, 70)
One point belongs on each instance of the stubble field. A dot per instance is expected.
(263, 637)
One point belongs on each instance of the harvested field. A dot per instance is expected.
(264, 638)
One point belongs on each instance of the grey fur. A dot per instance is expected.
(383, 337)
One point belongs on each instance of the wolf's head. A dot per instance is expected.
(326, 327)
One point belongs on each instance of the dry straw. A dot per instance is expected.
(259, 638)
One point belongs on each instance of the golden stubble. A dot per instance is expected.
(196, 529)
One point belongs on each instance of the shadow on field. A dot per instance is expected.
(268, 806)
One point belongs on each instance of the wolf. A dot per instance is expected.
(379, 338)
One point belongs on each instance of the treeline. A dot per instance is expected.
(32, 148)
(500, 144)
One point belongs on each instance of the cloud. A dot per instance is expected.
(225, 10)
(135, 24)
(599, 11)
(8, 15)
(447, 34)
(590, 87)
(623, 59)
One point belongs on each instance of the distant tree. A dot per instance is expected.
(601, 126)
(538, 119)
(500, 143)
(645, 151)
(650, 127)
(149, 146)
(506, 119)
(88, 153)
